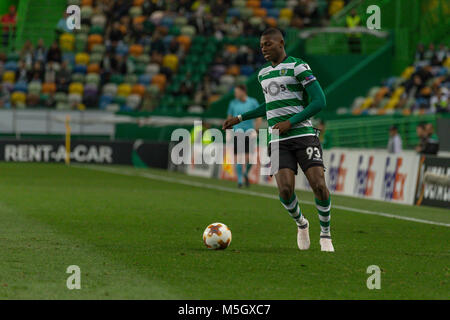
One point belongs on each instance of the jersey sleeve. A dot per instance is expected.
(303, 74)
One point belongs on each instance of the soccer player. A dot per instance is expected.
(242, 104)
(292, 96)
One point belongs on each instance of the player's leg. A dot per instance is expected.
(238, 166)
(316, 179)
(285, 177)
(248, 165)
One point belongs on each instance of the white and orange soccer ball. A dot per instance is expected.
(217, 236)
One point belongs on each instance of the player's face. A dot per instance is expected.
(271, 48)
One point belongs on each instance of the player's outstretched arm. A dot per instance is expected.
(318, 102)
(255, 113)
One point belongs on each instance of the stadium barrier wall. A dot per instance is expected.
(371, 174)
(432, 194)
(136, 153)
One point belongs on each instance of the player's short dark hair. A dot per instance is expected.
(243, 87)
(394, 127)
(272, 31)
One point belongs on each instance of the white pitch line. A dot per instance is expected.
(251, 193)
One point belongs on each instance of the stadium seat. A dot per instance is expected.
(110, 89)
(152, 69)
(160, 80)
(86, 12)
(259, 12)
(11, 66)
(67, 42)
(18, 97)
(286, 13)
(82, 58)
(136, 50)
(133, 101)
(170, 61)
(99, 20)
(21, 86)
(79, 68)
(9, 76)
(144, 79)
(75, 87)
(34, 87)
(124, 89)
(135, 11)
(74, 99)
(266, 4)
(94, 39)
(273, 13)
(188, 30)
(253, 3)
(49, 88)
(138, 89)
(93, 78)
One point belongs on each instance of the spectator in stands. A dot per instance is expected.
(439, 100)
(61, 26)
(54, 54)
(428, 143)
(395, 141)
(324, 136)
(40, 53)
(21, 73)
(37, 73)
(8, 21)
(353, 20)
(63, 77)
(26, 54)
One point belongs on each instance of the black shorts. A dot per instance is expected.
(246, 144)
(304, 151)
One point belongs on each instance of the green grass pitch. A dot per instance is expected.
(137, 236)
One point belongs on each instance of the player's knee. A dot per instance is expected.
(285, 192)
(320, 187)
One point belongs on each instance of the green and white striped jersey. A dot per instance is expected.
(284, 91)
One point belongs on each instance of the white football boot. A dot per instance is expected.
(326, 244)
(303, 236)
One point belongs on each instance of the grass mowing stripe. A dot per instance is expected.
(258, 194)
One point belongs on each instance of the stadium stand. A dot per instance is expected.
(141, 55)
(422, 88)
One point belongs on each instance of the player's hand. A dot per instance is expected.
(229, 123)
(283, 126)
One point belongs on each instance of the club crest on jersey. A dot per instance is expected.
(283, 72)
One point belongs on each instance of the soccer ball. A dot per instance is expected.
(217, 236)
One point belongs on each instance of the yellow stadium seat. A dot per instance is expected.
(286, 13)
(124, 90)
(18, 96)
(76, 87)
(170, 61)
(67, 42)
(82, 58)
(9, 76)
(367, 103)
(408, 72)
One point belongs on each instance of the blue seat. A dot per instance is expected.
(79, 68)
(21, 86)
(246, 70)
(233, 12)
(104, 101)
(266, 4)
(167, 22)
(145, 79)
(273, 13)
(11, 66)
(122, 49)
